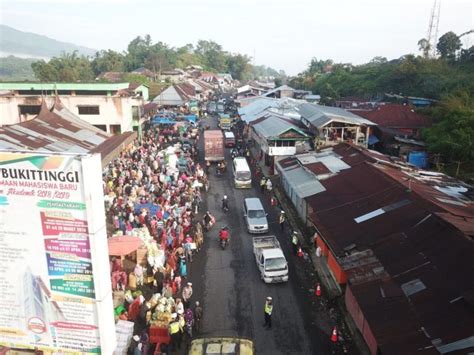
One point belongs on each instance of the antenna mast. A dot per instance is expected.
(432, 35)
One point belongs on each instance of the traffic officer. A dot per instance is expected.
(263, 184)
(268, 312)
(282, 220)
(294, 243)
(175, 332)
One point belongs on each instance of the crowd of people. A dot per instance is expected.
(153, 191)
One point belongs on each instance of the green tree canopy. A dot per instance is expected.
(68, 67)
(212, 55)
(109, 60)
(238, 66)
(453, 133)
(155, 56)
(448, 45)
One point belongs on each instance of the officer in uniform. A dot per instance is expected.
(281, 220)
(175, 331)
(294, 243)
(268, 312)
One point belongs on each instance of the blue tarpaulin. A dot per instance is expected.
(373, 139)
(190, 118)
(152, 208)
(162, 120)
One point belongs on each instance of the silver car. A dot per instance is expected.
(255, 216)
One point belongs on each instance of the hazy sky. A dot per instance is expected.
(281, 34)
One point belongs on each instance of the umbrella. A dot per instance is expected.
(124, 245)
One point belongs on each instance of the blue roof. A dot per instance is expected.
(162, 120)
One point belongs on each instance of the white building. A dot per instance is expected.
(112, 107)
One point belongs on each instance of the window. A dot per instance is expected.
(135, 113)
(115, 129)
(284, 143)
(88, 110)
(101, 126)
(275, 264)
(29, 109)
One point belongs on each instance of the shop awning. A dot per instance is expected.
(123, 245)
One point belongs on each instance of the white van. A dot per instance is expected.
(242, 174)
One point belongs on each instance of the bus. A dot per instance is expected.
(242, 175)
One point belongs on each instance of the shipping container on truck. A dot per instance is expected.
(213, 145)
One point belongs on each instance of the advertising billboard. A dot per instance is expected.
(55, 291)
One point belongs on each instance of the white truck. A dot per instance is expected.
(270, 259)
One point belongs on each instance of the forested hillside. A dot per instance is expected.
(13, 41)
(157, 57)
(449, 79)
(18, 69)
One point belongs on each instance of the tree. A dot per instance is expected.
(109, 60)
(467, 55)
(424, 47)
(212, 55)
(138, 50)
(69, 67)
(452, 135)
(238, 66)
(186, 56)
(448, 44)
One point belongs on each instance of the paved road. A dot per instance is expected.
(229, 286)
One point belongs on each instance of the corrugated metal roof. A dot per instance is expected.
(64, 86)
(428, 261)
(171, 97)
(280, 88)
(62, 131)
(319, 115)
(250, 112)
(258, 106)
(304, 183)
(51, 132)
(273, 126)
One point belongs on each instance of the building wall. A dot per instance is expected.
(113, 110)
(298, 202)
(336, 269)
(323, 246)
(275, 151)
(359, 319)
(172, 78)
(286, 93)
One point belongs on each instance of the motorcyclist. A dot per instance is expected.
(224, 235)
(225, 203)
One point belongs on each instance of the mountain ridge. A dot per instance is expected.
(21, 43)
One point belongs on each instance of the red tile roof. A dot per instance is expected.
(395, 116)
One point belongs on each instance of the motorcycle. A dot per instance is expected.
(225, 204)
(224, 237)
